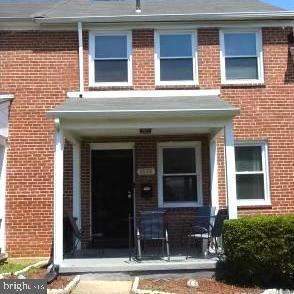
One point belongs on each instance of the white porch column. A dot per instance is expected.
(213, 173)
(3, 158)
(58, 194)
(77, 183)
(230, 170)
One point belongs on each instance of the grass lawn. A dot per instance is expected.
(13, 265)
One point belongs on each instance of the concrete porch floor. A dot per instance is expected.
(100, 265)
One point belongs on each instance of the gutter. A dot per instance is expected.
(16, 19)
(6, 98)
(116, 114)
(275, 15)
(81, 59)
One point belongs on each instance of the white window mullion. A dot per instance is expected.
(264, 172)
(93, 59)
(250, 173)
(196, 175)
(158, 58)
(258, 55)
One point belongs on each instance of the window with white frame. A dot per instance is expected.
(175, 58)
(241, 56)
(110, 59)
(252, 176)
(179, 174)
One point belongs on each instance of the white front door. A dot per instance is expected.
(2, 194)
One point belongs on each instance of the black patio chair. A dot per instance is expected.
(152, 227)
(201, 226)
(217, 230)
(211, 235)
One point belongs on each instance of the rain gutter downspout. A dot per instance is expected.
(81, 59)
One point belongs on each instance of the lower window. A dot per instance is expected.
(252, 173)
(179, 173)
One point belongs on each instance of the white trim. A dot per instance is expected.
(259, 56)
(76, 153)
(143, 123)
(3, 199)
(265, 172)
(147, 94)
(198, 157)
(112, 146)
(157, 58)
(81, 57)
(58, 194)
(9, 25)
(92, 35)
(213, 173)
(230, 170)
(231, 16)
(6, 96)
(204, 111)
(76, 186)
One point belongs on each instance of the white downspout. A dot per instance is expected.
(81, 59)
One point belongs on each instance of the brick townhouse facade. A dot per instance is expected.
(40, 65)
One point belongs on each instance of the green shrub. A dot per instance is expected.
(259, 250)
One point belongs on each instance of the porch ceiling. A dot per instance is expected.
(134, 132)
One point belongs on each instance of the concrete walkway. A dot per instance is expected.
(103, 287)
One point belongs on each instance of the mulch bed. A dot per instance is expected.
(59, 283)
(206, 286)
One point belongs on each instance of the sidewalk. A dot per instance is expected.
(103, 287)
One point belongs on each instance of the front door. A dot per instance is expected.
(112, 196)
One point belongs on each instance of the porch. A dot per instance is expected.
(124, 265)
(122, 158)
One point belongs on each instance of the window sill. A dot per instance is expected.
(101, 88)
(177, 83)
(180, 205)
(253, 207)
(243, 85)
(177, 86)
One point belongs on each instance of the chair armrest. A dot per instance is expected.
(201, 230)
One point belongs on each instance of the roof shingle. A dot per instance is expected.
(94, 8)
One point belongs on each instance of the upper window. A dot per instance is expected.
(241, 54)
(252, 173)
(175, 58)
(110, 59)
(179, 174)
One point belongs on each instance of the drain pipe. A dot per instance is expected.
(81, 59)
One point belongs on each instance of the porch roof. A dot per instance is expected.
(136, 107)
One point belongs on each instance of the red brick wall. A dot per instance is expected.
(40, 67)
(267, 114)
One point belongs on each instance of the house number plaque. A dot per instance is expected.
(146, 171)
